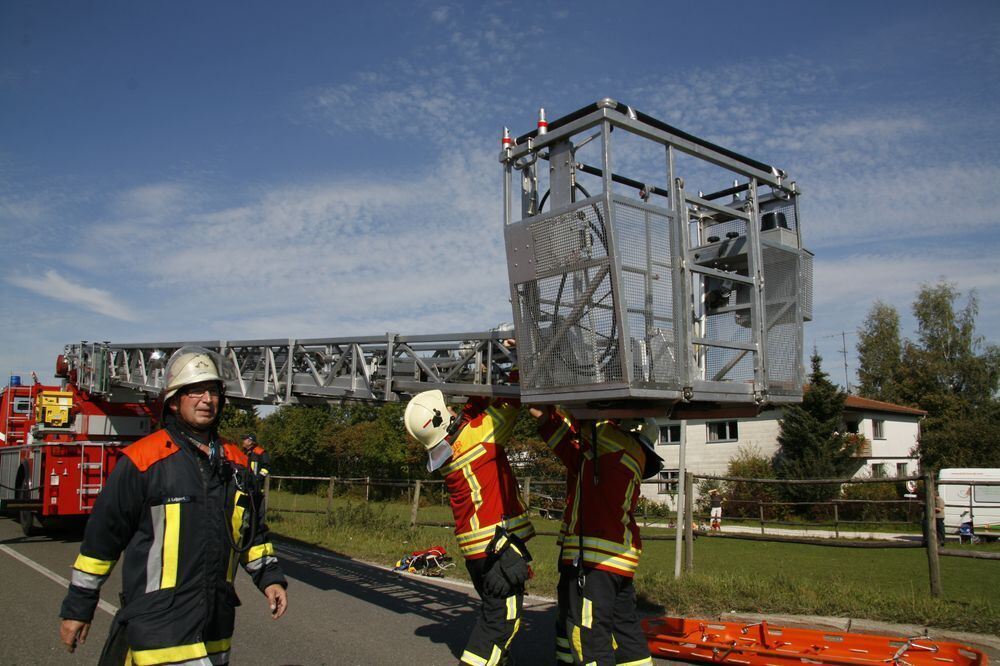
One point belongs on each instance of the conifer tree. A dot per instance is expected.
(812, 441)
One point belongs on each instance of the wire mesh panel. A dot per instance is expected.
(565, 308)
(782, 319)
(642, 234)
(806, 291)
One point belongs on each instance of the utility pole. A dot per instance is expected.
(843, 352)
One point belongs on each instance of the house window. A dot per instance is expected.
(668, 482)
(878, 471)
(902, 469)
(670, 434)
(723, 431)
(852, 426)
(878, 429)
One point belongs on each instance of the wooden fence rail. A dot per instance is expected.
(531, 490)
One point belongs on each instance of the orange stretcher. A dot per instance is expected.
(762, 644)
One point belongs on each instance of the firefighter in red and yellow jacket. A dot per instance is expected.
(599, 540)
(491, 523)
(180, 503)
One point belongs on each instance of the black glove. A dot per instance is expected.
(494, 582)
(514, 564)
(508, 568)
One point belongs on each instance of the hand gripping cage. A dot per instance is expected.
(640, 289)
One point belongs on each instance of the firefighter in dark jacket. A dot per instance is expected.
(258, 459)
(180, 504)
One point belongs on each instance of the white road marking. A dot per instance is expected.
(102, 604)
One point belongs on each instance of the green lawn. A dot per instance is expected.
(880, 584)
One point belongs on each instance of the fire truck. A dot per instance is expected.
(651, 273)
(59, 443)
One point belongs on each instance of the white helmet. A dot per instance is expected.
(427, 420)
(191, 365)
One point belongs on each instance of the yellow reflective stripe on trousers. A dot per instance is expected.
(517, 627)
(171, 545)
(576, 642)
(648, 661)
(563, 651)
(93, 566)
(170, 655)
(587, 613)
(476, 660)
(512, 608)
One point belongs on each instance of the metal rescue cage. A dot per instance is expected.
(640, 289)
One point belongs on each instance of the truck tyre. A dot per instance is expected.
(27, 521)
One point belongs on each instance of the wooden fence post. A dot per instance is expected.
(329, 497)
(760, 506)
(527, 493)
(267, 493)
(930, 535)
(688, 522)
(836, 521)
(416, 503)
(368, 488)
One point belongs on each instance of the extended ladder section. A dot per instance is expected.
(384, 368)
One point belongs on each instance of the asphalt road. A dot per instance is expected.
(340, 611)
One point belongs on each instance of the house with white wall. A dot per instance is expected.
(891, 435)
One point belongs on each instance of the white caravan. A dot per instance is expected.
(963, 503)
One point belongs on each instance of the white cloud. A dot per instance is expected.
(902, 203)
(440, 14)
(847, 286)
(58, 288)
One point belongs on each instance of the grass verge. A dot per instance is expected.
(730, 575)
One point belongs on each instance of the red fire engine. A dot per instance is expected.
(59, 443)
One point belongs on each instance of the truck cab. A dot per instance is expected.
(58, 444)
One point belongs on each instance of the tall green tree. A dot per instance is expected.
(949, 372)
(237, 421)
(374, 446)
(293, 435)
(880, 354)
(812, 441)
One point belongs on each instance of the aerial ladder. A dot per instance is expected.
(633, 290)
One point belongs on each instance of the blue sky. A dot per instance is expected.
(189, 170)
